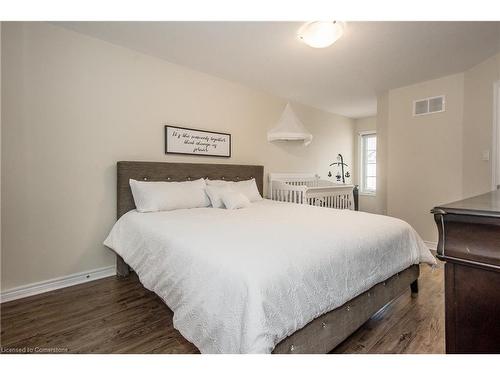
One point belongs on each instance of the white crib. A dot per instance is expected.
(306, 188)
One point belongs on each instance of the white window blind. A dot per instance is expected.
(368, 167)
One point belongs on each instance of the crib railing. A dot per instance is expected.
(284, 192)
(309, 189)
(340, 197)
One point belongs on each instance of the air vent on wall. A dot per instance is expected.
(428, 105)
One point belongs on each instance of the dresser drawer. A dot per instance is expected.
(472, 308)
(472, 238)
(469, 243)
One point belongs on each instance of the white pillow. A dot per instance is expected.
(246, 187)
(214, 192)
(150, 196)
(233, 199)
(217, 182)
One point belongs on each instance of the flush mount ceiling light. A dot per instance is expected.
(321, 34)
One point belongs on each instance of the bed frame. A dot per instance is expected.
(322, 334)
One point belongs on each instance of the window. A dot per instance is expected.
(368, 164)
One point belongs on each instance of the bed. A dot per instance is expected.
(256, 280)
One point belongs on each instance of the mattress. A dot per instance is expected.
(240, 281)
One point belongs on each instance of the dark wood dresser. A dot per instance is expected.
(469, 243)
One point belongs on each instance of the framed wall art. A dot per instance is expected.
(188, 141)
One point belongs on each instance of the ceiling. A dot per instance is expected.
(345, 78)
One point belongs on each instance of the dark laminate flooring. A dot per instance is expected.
(120, 316)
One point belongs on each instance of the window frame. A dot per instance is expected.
(362, 165)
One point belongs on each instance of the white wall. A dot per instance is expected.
(478, 125)
(367, 203)
(382, 138)
(74, 105)
(0, 145)
(436, 158)
(424, 153)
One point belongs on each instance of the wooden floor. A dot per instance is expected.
(120, 316)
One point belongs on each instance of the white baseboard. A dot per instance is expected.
(431, 245)
(57, 283)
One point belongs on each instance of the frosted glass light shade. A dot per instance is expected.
(321, 34)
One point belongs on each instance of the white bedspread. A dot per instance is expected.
(240, 281)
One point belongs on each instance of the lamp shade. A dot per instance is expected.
(321, 34)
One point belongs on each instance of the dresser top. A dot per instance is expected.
(484, 204)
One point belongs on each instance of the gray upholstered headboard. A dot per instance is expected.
(157, 171)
